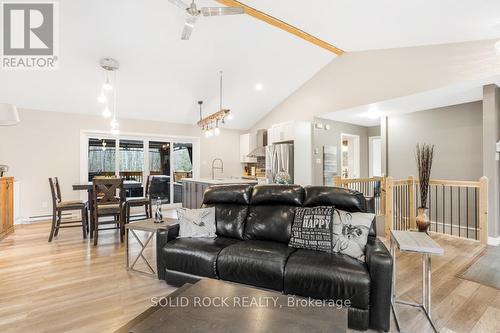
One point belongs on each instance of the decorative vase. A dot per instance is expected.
(422, 219)
(158, 213)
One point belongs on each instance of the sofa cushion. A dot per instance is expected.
(271, 212)
(291, 195)
(195, 256)
(328, 276)
(228, 194)
(253, 262)
(231, 208)
(341, 198)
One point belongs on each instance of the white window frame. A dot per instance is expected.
(85, 135)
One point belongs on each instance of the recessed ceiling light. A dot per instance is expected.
(259, 87)
(373, 113)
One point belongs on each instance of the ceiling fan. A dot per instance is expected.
(193, 13)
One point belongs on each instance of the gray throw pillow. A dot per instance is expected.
(350, 233)
(196, 222)
(312, 228)
(327, 229)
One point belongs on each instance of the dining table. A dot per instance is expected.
(88, 186)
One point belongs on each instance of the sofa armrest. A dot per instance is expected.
(379, 262)
(162, 238)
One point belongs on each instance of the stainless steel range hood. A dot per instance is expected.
(261, 143)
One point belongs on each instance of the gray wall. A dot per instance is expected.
(491, 133)
(322, 137)
(456, 132)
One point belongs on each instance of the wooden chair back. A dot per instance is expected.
(108, 190)
(56, 195)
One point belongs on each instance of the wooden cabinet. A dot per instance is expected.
(192, 194)
(247, 144)
(6, 206)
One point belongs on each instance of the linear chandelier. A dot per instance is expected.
(107, 97)
(210, 124)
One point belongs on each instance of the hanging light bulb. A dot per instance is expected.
(102, 98)
(107, 85)
(206, 134)
(106, 113)
(114, 124)
(229, 117)
(217, 129)
(103, 145)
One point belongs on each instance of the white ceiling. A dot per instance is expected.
(162, 77)
(370, 114)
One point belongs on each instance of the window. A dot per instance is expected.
(101, 157)
(134, 158)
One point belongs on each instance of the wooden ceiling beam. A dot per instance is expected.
(282, 25)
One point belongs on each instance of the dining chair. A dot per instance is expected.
(108, 197)
(59, 206)
(141, 201)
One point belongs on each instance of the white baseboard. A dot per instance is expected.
(494, 241)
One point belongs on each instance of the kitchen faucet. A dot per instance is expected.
(220, 167)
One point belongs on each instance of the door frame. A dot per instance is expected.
(371, 139)
(356, 153)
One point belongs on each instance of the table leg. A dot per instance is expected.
(429, 289)
(424, 278)
(126, 247)
(91, 212)
(140, 255)
(393, 291)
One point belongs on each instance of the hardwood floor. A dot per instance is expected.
(70, 286)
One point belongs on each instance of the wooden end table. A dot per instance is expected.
(150, 227)
(415, 242)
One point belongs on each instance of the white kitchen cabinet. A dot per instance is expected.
(281, 132)
(248, 143)
(300, 133)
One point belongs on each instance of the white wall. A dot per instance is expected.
(456, 132)
(322, 137)
(360, 78)
(47, 144)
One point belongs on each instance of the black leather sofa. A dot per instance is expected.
(253, 230)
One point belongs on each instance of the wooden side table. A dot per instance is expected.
(150, 227)
(415, 242)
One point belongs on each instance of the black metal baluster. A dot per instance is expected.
(476, 215)
(467, 209)
(444, 210)
(451, 210)
(459, 211)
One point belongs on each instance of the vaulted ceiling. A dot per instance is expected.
(162, 77)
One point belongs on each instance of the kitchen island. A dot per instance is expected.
(193, 188)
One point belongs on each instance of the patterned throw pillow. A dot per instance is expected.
(350, 233)
(312, 228)
(196, 222)
(327, 229)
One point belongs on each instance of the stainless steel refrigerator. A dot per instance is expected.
(279, 163)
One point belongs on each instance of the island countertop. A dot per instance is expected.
(219, 181)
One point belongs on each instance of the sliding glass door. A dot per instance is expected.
(135, 158)
(182, 157)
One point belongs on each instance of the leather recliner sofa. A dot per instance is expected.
(253, 227)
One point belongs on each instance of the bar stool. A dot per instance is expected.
(59, 206)
(108, 204)
(138, 202)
